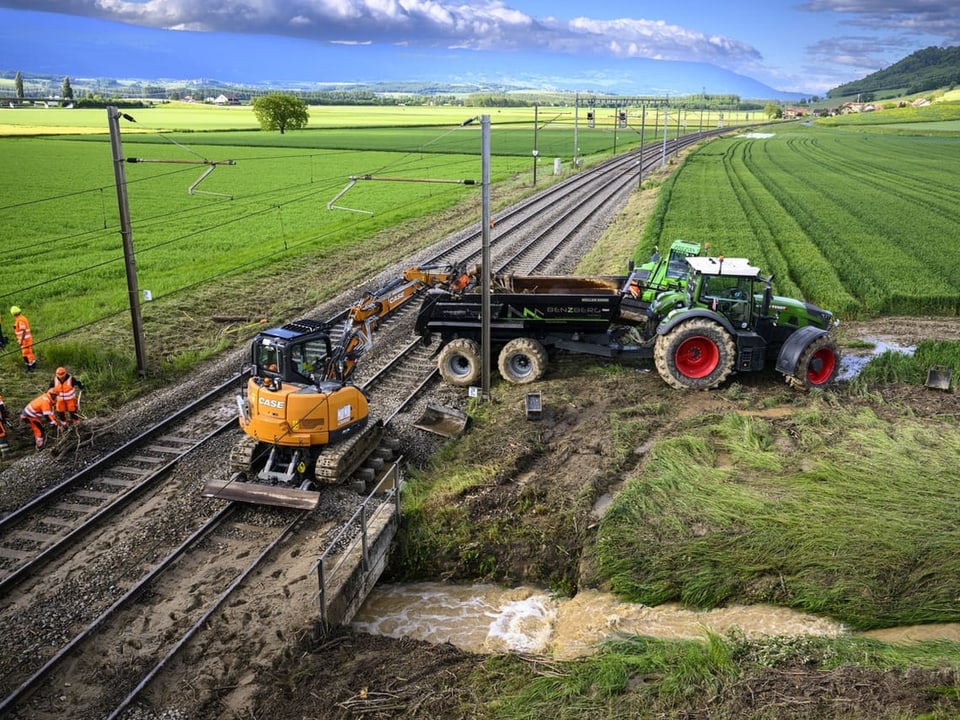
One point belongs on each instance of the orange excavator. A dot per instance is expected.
(304, 424)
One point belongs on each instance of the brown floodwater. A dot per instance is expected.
(491, 619)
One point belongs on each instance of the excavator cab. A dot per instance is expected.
(299, 352)
(293, 407)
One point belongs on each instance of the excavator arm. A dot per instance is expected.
(365, 315)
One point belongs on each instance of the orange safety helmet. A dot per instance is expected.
(61, 372)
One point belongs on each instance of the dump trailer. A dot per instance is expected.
(719, 318)
(304, 423)
(530, 316)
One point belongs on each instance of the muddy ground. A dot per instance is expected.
(305, 673)
(349, 675)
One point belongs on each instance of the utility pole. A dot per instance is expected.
(485, 255)
(576, 116)
(536, 150)
(666, 115)
(643, 131)
(703, 102)
(616, 124)
(126, 232)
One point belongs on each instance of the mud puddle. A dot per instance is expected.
(853, 360)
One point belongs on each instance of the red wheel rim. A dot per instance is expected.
(697, 357)
(821, 366)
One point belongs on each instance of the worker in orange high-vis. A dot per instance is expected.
(40, 414)
(65, 386)
(4, 443)
(21, 330)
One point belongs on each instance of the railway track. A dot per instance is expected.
(44, 528)
(74, 538)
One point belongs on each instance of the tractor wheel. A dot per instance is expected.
(459, 362)
(818, 366)
(522, 361)
(696, 355)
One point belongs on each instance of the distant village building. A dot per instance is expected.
(857, 107)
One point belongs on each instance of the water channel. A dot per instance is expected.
(489, 619)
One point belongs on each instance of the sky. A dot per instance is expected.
(805, 46)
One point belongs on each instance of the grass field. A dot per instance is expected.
(861, 224)
(843, 219)
(198, 117)
(243, 226)
(271, 205)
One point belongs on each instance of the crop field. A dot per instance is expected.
(861, 224)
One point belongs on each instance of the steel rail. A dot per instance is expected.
(48, 667)
(214, 606)
(91, 522)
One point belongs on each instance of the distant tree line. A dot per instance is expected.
(105, 91)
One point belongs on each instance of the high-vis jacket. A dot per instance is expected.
(39, 408)
(21, 329)
(66, 391)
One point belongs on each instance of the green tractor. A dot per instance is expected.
(726, 320)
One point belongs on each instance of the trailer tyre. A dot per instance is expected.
(522, 361)
(696, 355)
(818, 366)
(459, 362)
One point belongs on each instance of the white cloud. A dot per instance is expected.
(479, 25)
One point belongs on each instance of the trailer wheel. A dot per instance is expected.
(696, 355)
(522, 361)
(459, 362)
(818, 366)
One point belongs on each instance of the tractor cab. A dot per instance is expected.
(729, 287)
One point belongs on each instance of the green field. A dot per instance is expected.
(197, 117)
(861, 224)
(243, 226)
(270, 206)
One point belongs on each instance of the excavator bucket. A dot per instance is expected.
(261, 494)
(938, 377)
(442, 421)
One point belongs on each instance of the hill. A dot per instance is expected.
(924, 70)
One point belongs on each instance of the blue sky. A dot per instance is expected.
(806, 46)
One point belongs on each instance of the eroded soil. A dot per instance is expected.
(560, 476)
(563, 465)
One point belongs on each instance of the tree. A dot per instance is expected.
(280, 112)
(66, 92)
(772, 110)
(18, 83)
